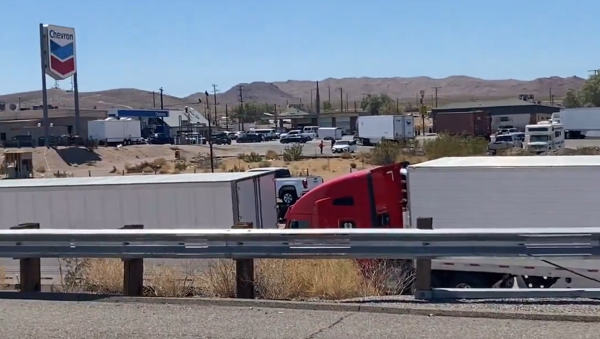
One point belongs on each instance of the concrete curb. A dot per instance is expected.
(346, 307)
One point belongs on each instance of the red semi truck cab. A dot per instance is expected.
(365, 199)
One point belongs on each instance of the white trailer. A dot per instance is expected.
(182, 201)
(330, 133)
(373, 128)
(115, 131)
(578, 122)
(506, 192)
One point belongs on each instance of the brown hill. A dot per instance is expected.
(113, 98)
(258, 91)
(454, 87)
(292, 91)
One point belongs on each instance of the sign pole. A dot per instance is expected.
(44, 58)
(76, 94)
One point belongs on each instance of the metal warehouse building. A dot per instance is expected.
(514, 112)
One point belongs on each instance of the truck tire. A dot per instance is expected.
(472, 280)
(288, 195)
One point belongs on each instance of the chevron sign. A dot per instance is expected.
(60, 51)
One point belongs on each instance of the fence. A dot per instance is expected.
(29, 243)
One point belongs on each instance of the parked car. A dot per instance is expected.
(160, 139)
(504, 141)
(249, 137)
(344, 146)
(294, 139)
(220, 139)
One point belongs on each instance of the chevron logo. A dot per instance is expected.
(60, 52)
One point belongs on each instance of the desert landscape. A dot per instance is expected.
(451, 89)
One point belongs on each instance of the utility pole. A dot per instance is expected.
(226, 118)
(210, 141)
(215, 90)
(318, 100)
(154, 99)
(341, 99)
(595, 71)
(162, 106)
(329, 94)
(346, 101)
(241, 112)
(551, 96)
(435, 89)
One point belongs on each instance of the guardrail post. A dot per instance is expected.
(30, 279)
(133, 271)
(423, 269)
(244, 271)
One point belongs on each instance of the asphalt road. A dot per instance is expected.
(98, 320)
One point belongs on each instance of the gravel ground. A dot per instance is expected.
(554, 306)
(93, 320)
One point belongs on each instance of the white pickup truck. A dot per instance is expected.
(289, 188)
(310, 135)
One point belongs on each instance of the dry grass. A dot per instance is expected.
(275, 279)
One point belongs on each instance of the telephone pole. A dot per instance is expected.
(210, 141)
(329, 94)
(435, 89)
(241, 112)
(154, 99)
(595, 71)
(215, 90)
(162, 106)
(341, 99)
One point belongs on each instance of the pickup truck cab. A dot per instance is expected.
(289, 188)
(504, 141)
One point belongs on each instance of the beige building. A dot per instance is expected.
(30, 122)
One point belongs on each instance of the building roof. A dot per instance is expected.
(512, 162)
(131, 180)
(195, 117)
(487, 104)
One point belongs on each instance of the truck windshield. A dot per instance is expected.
(538, 138)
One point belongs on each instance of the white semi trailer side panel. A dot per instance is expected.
(503, 192)
(171, 201)
(205, 201)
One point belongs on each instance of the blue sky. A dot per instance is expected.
(185, 46)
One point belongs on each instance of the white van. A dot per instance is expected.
(329, 133)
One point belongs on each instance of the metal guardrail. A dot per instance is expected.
(132, 243)
(307, 243)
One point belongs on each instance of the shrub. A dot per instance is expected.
(271, 155)
(293, 152)
(454, 146)
(250, 158)
(385, 153)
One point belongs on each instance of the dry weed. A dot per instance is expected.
(275, 279)
(271, 155)
(40, 169)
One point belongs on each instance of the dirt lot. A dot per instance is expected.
(80, 162)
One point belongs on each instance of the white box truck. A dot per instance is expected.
(507, 192)
(182, 201)
(330, 133)
(373, 128)
(579, 122)
(112, 131)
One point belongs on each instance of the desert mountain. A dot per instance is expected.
(455, 88)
